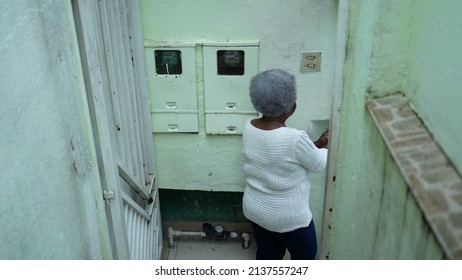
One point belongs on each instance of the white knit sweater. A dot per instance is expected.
(276, 166)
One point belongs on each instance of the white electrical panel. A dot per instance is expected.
(171, 72)
(228, 68)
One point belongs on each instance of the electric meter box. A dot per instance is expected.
(171, 72)
(228, 68)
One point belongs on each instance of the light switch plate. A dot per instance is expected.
(310, 62)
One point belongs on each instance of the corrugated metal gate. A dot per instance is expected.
(111, 49)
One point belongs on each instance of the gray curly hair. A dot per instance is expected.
(272, 92)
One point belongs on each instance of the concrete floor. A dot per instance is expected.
(206, 248)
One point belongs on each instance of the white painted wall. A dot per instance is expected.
(50, 198)
(284, 29)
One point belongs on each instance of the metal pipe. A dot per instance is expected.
(172, 233)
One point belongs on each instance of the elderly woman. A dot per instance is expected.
(277, 162)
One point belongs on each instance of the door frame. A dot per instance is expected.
(334, 130)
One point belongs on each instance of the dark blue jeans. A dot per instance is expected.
(301, 243)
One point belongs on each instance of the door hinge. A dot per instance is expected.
(108, 196)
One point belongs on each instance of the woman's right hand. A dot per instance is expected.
(323, 140)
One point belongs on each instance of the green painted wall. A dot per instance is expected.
(201, 206)
(374, 214)
(434, 79)
(51, 204)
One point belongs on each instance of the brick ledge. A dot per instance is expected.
(434, 182)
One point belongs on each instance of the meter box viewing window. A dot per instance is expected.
(168, 62)
(230, 62)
